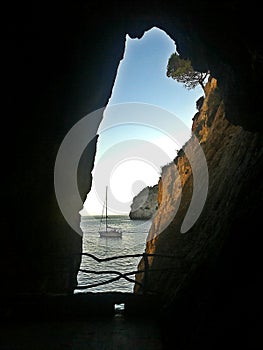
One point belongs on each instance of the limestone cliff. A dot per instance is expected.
(144, 204)
(233, 158)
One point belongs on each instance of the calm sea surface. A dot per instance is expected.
(132, 242)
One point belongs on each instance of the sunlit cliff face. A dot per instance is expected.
(231, 155)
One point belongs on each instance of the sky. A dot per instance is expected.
(139, 131)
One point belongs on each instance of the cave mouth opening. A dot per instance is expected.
(131, 152)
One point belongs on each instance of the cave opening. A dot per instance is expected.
(132, 148)
(53, 75)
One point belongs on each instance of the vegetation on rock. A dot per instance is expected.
(182, 71)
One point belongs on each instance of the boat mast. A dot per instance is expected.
(106, 208)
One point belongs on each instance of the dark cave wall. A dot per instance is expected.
(60, 61)
(59, 68)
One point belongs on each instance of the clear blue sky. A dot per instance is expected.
(141, 78)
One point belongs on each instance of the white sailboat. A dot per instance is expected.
(108, 231)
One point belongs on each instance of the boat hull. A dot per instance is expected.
(110, 233)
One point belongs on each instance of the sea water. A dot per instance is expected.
(133, 241)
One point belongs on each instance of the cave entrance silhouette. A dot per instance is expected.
(141, 78)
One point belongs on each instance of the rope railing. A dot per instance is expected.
(128, 256)
(119, 274)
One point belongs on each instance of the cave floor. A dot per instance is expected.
(116, 333)
(80, 322)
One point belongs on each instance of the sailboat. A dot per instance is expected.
(108, 231)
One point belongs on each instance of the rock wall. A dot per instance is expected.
(216, 261)
(145, 204)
